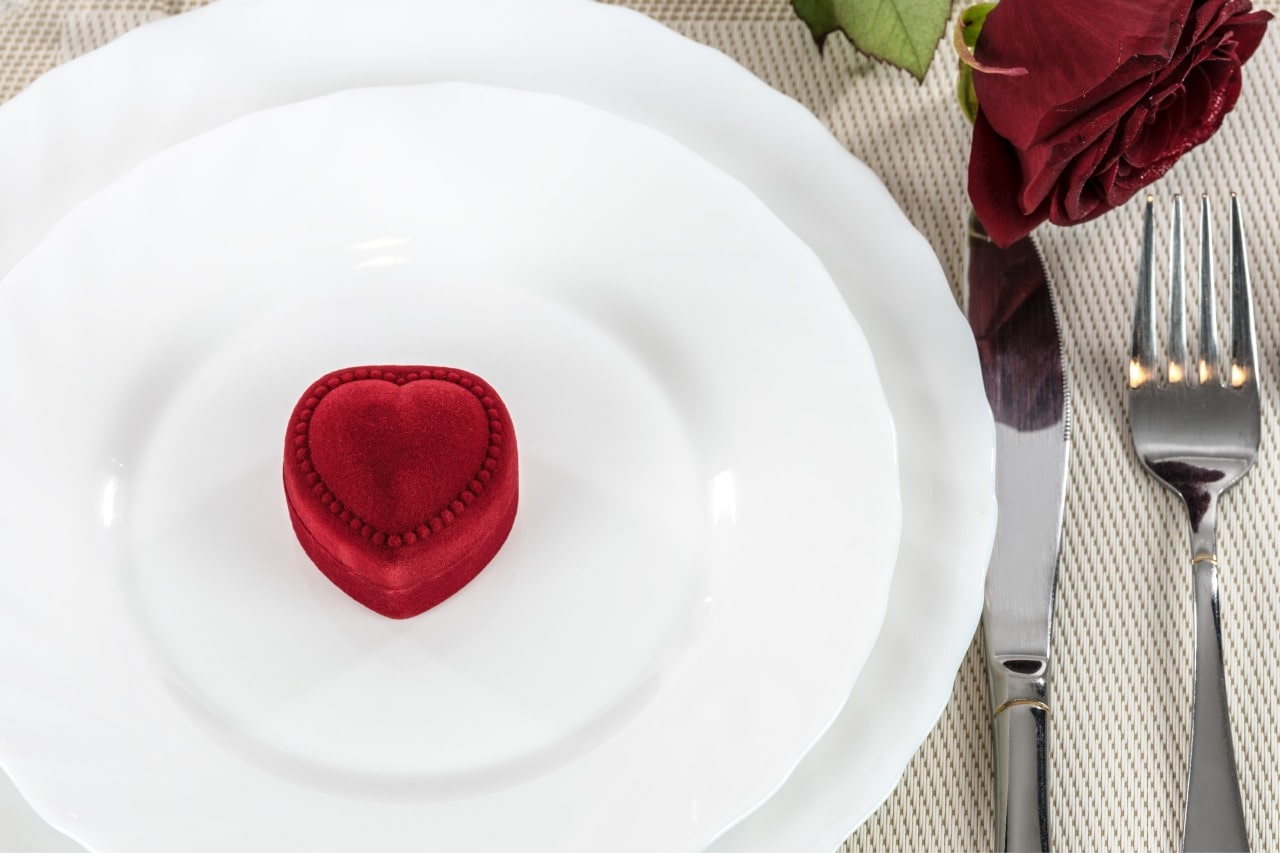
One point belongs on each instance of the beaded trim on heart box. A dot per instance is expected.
(435, 523)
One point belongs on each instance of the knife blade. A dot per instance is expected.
(1011, 311)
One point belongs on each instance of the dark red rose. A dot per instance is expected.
(1116, 92)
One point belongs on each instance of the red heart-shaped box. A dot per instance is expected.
(402, 482)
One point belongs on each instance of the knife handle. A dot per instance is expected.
(1019, 696)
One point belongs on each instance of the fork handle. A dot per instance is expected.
(1215, 813)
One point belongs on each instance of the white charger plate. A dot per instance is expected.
(708, 489)
(87, 122)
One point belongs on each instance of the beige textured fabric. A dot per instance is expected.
(1123, 630)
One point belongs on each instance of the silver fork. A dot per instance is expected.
(1198, 435)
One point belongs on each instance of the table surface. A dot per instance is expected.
(1122, 640)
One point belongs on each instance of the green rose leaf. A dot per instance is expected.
(904, 33)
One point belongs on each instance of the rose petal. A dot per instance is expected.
(1211, 16)
(1075, 198)
(1248, 30)
(1075, 126)
(994, 175)
(1066, 61)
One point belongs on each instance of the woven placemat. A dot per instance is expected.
(1123, 631)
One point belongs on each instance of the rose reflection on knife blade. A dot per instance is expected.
(1012, 318)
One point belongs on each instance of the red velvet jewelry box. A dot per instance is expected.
(401, 481)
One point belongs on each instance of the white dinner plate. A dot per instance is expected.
(90, 120)
(708, 518)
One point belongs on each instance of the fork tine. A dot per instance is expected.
(1177, 368)
(1243, 354)
(1142, 359)
(1208, 333)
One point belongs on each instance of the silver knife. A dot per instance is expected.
(1011, 311)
